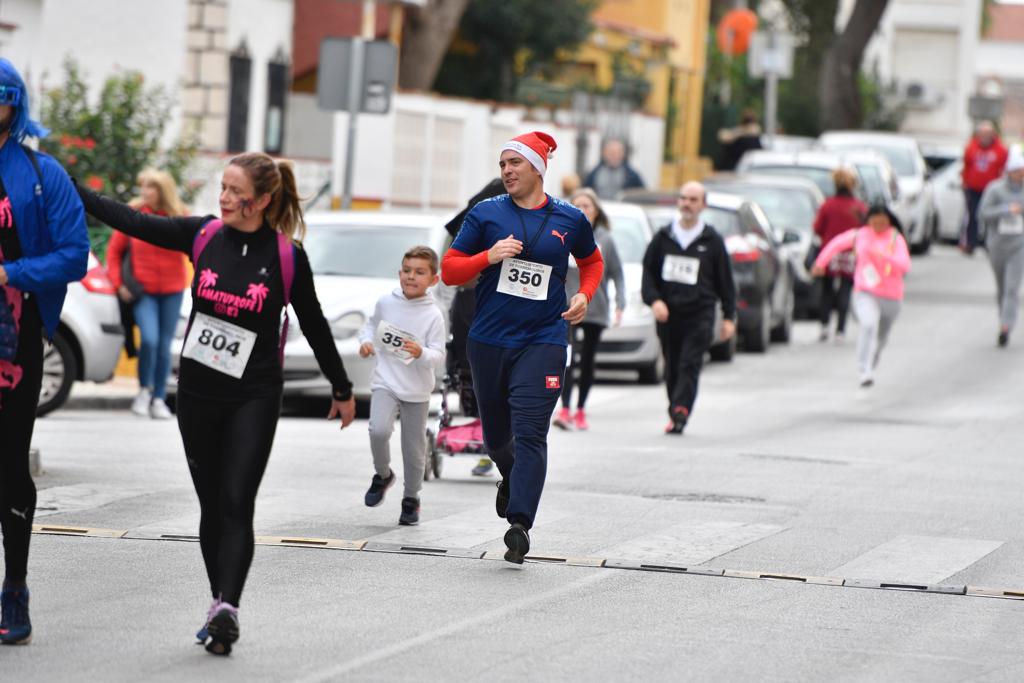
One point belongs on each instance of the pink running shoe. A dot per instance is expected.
(563, 420)
(581, 420)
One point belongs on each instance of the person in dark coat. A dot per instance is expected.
(613, 174)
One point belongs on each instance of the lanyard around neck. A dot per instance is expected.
(527, 248)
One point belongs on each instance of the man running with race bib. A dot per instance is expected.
(519, 243)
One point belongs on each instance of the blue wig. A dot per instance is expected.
(21, 126)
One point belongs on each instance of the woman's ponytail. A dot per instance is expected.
(276, 178)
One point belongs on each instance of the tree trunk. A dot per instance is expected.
(426, 35)
(837, 86)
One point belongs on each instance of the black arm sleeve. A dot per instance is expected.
(315, 328)
(726, 282)
(170, 233)
(650, 290)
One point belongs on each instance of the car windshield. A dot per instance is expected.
(873, 185)
(901, 158)
(724, 222)
(784, 208)
(630, 238)
(822, 177)
(360, 250)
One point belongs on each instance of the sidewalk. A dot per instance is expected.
(117, 394)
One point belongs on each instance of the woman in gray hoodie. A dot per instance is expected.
(585, 337)
(1001, 211)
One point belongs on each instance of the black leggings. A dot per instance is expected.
(835, 295)
(227, 445)
(584, 339)
(17, 421)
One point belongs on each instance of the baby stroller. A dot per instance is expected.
(446, 438)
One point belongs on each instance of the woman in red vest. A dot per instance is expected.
(840, 212)
(152, 281)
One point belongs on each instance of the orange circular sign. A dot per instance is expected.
(734, 31)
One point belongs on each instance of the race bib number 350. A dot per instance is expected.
(681, 269)
(525, 279)
(219, 345)
(390, 339)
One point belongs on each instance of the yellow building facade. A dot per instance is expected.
(666, 40)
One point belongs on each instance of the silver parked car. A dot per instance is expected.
(355, 257)
(88, 341)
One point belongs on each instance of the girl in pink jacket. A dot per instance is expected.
(882, 261)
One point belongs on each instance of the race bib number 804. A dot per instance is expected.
(220, 345)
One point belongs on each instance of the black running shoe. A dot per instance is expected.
(15, 625)
(410, 512)
(501, 500)
(1004, 338)
(517, 540)
(223, 630)
(378, 487)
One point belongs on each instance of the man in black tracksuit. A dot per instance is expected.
(687, 271)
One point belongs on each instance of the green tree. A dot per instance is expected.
(501, 42)
(105, 145)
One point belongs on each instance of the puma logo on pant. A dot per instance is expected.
(23, 514)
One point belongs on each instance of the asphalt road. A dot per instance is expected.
(787, 468)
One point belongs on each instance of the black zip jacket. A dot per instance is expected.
(714, 280)
(236, 263)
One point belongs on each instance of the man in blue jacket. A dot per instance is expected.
(43, 246)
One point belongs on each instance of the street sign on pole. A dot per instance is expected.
(771, 57)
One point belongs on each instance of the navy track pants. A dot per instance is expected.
(517, 391)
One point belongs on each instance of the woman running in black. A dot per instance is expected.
(230, 381)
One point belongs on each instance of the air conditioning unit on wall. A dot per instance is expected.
(921, 96)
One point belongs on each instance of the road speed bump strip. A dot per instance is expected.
(301, 542)
(563, 560)
(58, 530)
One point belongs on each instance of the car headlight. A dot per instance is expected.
(348, 325)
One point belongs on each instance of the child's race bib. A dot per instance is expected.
(1011, 225)
(391, 339)
(870, 275)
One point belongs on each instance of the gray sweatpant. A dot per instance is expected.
(384, 408)
(1006, 254)
(875, 315)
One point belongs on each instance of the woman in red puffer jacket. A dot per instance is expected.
(841, 212)
(153, 283)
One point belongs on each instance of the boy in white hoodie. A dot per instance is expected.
(406, 333)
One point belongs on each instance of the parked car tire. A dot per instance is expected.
(652, 373)
(758, 336)
(783, 332)
(60, 368)
(723, 352)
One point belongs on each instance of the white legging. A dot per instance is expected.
(876, 316)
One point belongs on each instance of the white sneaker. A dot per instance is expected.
(158, 410)
(140, 406)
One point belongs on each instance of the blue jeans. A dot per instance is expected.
(157, 317)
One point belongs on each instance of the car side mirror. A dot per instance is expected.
(790, 237)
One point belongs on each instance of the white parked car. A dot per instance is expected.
(948, 191)
(917, 208)
(355, 257)
(88, 341)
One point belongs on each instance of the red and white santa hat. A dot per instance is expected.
(535, 147)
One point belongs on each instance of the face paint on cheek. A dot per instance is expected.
(245, 205)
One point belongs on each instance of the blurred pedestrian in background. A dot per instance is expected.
(1000, 210)
(585, 337)
(613, 174)
(738, 141)
(841, 212)
(152, 280)
(984, 159)
(882, 261)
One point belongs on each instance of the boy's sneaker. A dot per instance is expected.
(483, 468)
(563, 420)
(204, 633)
(517, 540)
(410, 512)
(501, 500)
(140, 406)
(15, 626)
(223, 630)
(378, 487)
(158, 410)
(580, 418)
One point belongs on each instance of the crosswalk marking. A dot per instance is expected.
(917, 559)
(694, 542)
(463, 530)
